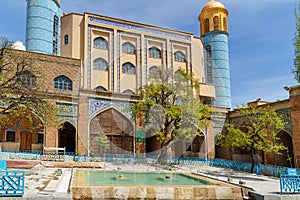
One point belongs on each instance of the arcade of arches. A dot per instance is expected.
(285, 159)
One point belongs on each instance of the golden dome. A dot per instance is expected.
(213, 17)
(213, 4)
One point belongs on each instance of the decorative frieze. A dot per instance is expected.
(96, 105)
(139, 28)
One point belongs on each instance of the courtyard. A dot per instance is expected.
(52, 180)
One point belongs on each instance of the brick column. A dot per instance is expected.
(295, 118)
(83, 120)
(51, 137)
(210, 139)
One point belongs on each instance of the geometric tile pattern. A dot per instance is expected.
(39, 26)
(218, 40)
(96, 105)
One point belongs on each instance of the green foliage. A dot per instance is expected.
(170, 108)
(103, 141)
(255, 131)
(296, 67)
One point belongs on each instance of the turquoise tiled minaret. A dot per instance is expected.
(214, 35)
(43, 26)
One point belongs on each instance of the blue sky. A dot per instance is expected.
(260, 35)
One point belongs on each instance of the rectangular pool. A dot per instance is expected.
(149, 178)
(99, 184)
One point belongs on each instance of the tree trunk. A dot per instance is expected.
(163, 151)
(252, 162)
(162, 154)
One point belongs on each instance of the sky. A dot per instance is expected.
(261, 34)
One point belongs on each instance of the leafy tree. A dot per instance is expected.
(296, 67)
(254, 132)
(103, 142)
(21, 92)
(171, 111)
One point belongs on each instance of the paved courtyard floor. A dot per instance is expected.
(51, 181)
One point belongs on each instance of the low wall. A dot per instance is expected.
(9, 145)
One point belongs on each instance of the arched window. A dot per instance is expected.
(100, 88)
(66, 39)
(179, 56)
(208, 64)
(216, 23)
(100, 64)
(128, 68)
(63, 83)
(128, 47)
(27, 78)
(154, 52)
(100, 43)
(128, 92)
(206, 25)
(154, 71)
(225, 24)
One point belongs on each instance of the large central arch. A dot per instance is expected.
(118, 129)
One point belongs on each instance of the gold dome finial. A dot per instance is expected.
(213, 17)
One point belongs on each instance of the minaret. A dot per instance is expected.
(43, 26)
(214, 35)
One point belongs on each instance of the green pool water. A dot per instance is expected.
(149, 178)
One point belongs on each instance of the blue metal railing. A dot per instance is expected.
(261, 169)
(290, 182)
(11, 181)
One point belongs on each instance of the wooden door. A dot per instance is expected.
(26, 140)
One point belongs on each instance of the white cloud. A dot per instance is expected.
(19, 45)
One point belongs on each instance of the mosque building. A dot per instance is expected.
(95, 63)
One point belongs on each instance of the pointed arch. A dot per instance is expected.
(118, 128)
(100, 43)
(206, 25)
(100, 88)
(179, 56)
(155, 72)
(287, 157)
(128, 91)
(128, 68)
(63, 83)
(129, 48)
(216, 21)
(154, 52)
(67, 136)
(100, 64)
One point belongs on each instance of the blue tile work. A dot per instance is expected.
(220, 66)
(139, 28)
(39, 26)
(67, 112)
(118, 61)
(97, 105)
(145, 61)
